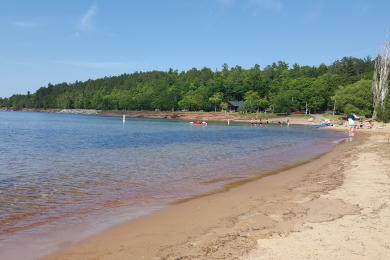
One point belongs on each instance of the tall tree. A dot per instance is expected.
(381, 74)
(216, 99)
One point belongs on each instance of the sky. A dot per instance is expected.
(48, 41)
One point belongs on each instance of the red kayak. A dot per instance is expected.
(198, 123)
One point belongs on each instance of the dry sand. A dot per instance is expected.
(334, 207)
(364, 234)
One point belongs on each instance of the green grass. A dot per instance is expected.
(332, 117)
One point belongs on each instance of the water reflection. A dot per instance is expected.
(54, 167)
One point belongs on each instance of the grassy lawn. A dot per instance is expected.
(332, 117)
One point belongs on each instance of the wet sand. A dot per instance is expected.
(232, 223)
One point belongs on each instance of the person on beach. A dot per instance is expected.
(351, 126)
(370, 124)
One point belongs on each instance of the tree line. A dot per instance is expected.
(344, 85)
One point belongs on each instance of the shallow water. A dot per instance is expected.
(60, 170)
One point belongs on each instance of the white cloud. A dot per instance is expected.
(23, 24)
(96, 65)
(86, 22)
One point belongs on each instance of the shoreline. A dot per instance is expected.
(177, 115)
(219, 117)
(173, 226)
(242, 181)
(98, 230)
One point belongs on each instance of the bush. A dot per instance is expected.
(355, 98)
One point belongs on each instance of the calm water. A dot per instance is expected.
(80, 170)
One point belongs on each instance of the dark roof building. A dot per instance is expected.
(234, 105)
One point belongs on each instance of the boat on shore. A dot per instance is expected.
(198, 123)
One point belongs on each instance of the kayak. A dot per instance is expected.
(322, 125)
(198, 123)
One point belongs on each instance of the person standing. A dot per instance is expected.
(351, 126)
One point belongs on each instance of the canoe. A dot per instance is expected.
(198, 123)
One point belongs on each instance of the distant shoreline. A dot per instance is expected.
(179, 115)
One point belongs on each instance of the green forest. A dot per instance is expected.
(280, 88)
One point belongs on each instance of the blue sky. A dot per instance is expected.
(64, 41)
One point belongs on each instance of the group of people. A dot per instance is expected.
(261, 123)
(352, 125)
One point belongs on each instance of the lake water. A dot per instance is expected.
(61, 173)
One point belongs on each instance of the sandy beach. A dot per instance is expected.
(335, 205)
(186, 130)
(360, 234)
